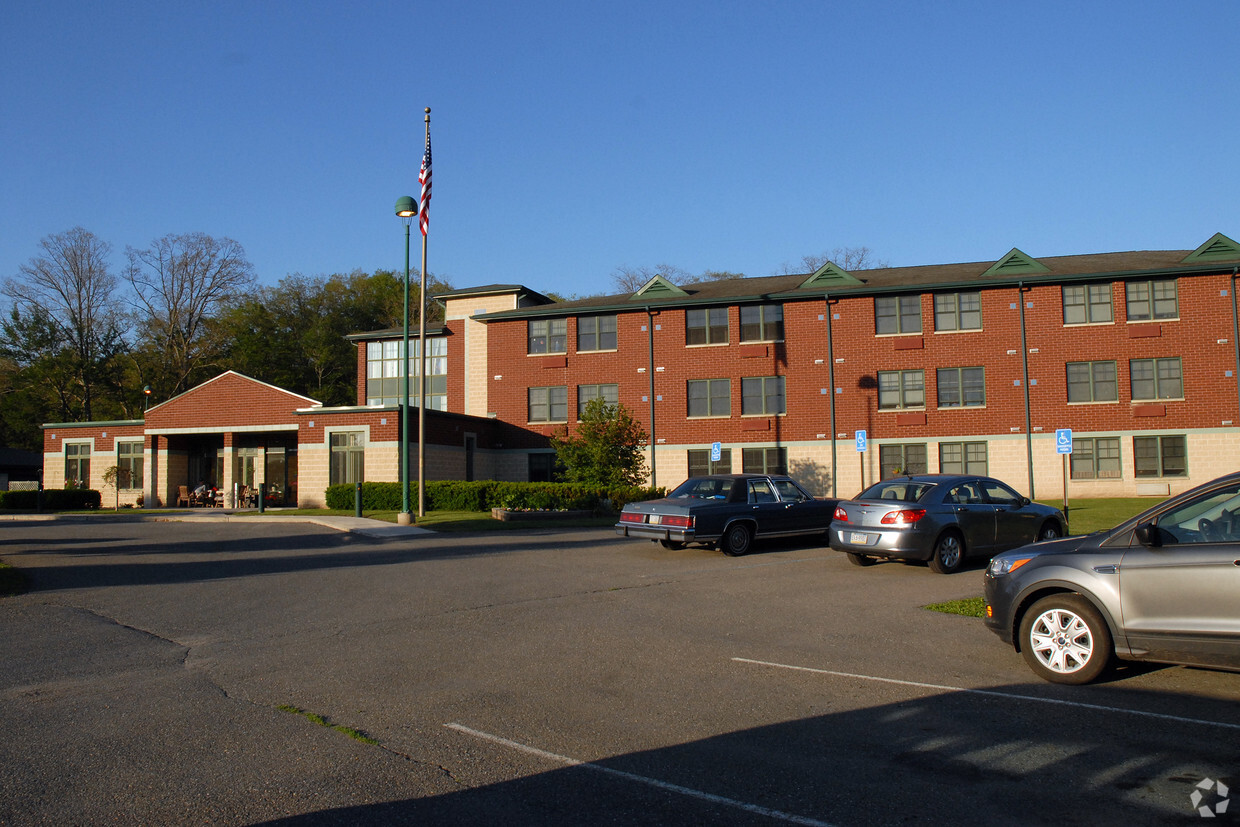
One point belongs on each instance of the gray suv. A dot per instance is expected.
(1163, 586)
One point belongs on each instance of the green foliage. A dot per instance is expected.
(606, 451)
(448, 495)
(967, 607)
(76, 499)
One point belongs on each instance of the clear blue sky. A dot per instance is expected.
(572, 138)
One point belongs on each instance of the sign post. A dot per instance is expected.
(861, 447)
(1063, 445)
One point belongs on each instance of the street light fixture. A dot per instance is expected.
(146, 390)
(406, 209)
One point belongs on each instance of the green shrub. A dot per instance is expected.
(54, 499)
(483, 495)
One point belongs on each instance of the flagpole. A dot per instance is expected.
(426, 199)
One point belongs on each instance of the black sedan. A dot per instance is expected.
(941, 519)
(728, 511)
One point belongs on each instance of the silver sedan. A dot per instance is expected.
(941, 519)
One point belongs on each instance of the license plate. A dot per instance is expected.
(654, 519)
(859, 539)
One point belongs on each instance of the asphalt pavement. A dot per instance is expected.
(241, 672)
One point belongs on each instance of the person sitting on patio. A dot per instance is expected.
(200, 493)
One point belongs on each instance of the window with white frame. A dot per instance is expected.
(897, 315)
(899, 389)
(384, 362)
(709, 397)
(1154, 379)
(1152, 300)
(548, 404)
(348, 457)
(1087, 304)
(129, 465)
(77, 464)
(957, 311)
(1092, 382)
(762, 395)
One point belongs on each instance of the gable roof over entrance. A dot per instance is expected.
(230, 401)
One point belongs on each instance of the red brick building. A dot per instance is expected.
(974, 366)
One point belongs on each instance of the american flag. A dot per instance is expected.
(424, 178)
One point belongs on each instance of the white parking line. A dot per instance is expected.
(641, 779)
(991, 693)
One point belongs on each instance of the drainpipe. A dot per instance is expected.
(650, 369)
(1024, 358)
(1235, 326)
(831, 393)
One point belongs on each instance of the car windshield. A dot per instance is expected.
(707, 488)
(907, 491)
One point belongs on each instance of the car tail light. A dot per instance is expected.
(905, 516)
(841, 514)
(676, 520)
(632, 517)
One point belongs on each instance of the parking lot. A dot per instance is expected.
(168, 673)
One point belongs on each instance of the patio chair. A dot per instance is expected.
(183, 497)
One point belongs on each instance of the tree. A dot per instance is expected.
(181, 282)
(607, 450)
(847, 259)
(632, 279)
(65, 311)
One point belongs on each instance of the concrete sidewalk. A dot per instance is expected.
(352, 525)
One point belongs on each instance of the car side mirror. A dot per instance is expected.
(1024, 501)
(1149, 535)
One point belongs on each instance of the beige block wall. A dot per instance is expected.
(476, 368)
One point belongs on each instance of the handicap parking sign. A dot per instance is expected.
(716, 451)
(860, 440)
(1063, 440)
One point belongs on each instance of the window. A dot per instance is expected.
(348, 457)
(548, 404)
(762, 395)
(1156, 378)
(894, 460)
(710, 397)
(1087, 304)
(963, 458)
(901, 389)
(957, 311)
(762, 323)
(764, 460)
(77, 464)
(608, 393)
(384, 365)
(548, 336)
(962, 387)
(1150, 300)
(700, 464)
(1095, 458)
(596, 333)
(1092, 382)
(706, 326)
(897, 314)
(542, 467)
(1160, 456)
(129, 465)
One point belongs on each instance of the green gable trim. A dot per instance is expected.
(1218, 248)
(828, 275)
(1016, 263)
(657, 288)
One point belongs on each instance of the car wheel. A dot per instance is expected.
(860, 559)
(1065, 640)
(736, 540)
(674, 545)
(1048, 531)
(948, 554)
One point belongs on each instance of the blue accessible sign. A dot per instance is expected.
(861, 440)
(716, 451)
(1063, 440)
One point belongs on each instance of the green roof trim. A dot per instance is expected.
(1016, 263)
(657, 288)
(1218, 248)
(828, 275)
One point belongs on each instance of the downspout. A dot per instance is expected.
(650, 369)
(1235, 327)
(1024, 358)
(831, 392)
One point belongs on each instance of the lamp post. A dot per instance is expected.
(146, 390)
(406, 208)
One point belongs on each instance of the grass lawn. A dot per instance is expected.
(1088, 516)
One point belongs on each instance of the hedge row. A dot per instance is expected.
(483, 495)
(54, 499)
